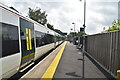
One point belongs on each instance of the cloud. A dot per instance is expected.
(61, 13)
(100, 15)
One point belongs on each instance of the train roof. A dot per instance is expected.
(38, 27)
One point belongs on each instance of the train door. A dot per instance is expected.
(27, 41)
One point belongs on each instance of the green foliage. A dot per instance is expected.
(73, 34)
(114, 27)
(81, 33)
(41, 17)
(57, 30)
(115, 24)
(77, 34)
(37, 15)
(50, 26)
(60, 32)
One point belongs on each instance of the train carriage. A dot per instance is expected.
(22, 41)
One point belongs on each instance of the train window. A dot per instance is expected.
(57, 38)
(43, 39)
(49, 38)
(39, 38)
(10, 39)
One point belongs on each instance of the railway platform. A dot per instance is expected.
(64, 62)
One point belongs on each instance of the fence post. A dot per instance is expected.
(118, 74)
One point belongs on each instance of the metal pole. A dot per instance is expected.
(84, 13)
(83, 72)
(74, 27)
(74, 33)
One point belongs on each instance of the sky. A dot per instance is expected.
(62, 13)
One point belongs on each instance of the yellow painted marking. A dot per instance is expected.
(25, 57)
(27, 39)
(30, 40)
(53, 66)
(118, 74)
(28, 55)
(32, 54)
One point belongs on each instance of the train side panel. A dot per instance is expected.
(10, 65)
(44, 40)
(0, 44)
(42, 50)
(11, 57)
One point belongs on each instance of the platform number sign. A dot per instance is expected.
(28, 39)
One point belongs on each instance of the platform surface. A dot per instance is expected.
(64, 62)
(70, 65)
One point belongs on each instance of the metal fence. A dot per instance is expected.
(105, 49)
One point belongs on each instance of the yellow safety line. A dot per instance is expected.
(53, 66)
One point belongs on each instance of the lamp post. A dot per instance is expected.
(70, 35)
(74, 39)
(83, 50)
(74, 26)
(71, 29)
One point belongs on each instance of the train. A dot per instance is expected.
(22, 41)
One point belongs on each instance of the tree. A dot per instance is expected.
(72, 34)
(81, 33)
(37, 15)
(50, 26)
(58, 31)
(41, 17)
(114, 27)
